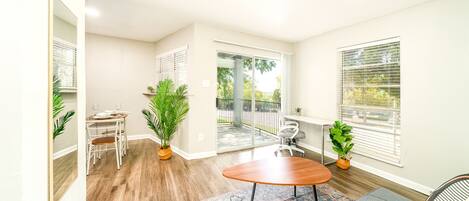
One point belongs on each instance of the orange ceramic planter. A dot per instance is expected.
(343, 164)
(165, 154)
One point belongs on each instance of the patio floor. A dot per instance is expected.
(230, 137)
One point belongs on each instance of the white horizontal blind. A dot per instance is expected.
(369, 97)
(173, 66)
(180, 67)
(167, 67)
(64, 61)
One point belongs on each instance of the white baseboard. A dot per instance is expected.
(64, 152)
(199, 155)
(400, 180)
(180, 152)
(392, 177)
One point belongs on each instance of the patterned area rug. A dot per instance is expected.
(283, 193)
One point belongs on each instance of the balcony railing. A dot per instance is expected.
(267, 114)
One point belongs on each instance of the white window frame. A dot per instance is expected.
(178, 75)
(340, 85)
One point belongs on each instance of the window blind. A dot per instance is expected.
(369, 97)
(173, 66)
(64, 60)
(180, 67)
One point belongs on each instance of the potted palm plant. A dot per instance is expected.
(341, 143)
(166, 110)
(57, 107)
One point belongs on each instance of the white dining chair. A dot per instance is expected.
(103, 136)
(123, 129)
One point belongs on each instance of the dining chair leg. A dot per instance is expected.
(126, 143)
(94, 153)
(126, 140)
(294, 191)
(117, 156)
(88, 160)
(98, 147)
(121, 152)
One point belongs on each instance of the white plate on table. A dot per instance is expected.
(102, 116)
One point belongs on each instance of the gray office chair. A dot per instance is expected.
(456, 189)
(300, 135)
(288, 135)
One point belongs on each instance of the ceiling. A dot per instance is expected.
(287, 20)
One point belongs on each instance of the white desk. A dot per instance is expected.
(315, 121)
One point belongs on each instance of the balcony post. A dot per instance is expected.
(238, 92)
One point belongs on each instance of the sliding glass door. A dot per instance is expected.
(248, 101)
(233, 102)
(267, 98)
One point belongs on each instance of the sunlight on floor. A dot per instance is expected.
(230, 137)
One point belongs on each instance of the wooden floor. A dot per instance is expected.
(64, 173)
(144, 177)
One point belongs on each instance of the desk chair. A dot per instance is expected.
(287, 135)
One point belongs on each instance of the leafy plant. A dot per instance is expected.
(168, 108)
(57, 108)
(225, 77)
(341, 139)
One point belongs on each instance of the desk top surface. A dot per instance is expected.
(311, 120)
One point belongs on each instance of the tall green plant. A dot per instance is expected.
(57, 108)
(341, 139)
(168, 108)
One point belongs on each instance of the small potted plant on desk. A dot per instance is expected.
(151, 89)
(341, 143)
(168, 108)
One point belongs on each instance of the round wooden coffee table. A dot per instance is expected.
(286, 171)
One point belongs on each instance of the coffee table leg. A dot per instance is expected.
(315, 193)
(294, 191)
(253, 192)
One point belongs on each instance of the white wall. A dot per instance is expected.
(11, 84)
(65, 30)
(434, 69)
(118, 71)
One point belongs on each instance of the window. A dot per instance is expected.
(172, 66)
(64, 59)
(369, 98)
